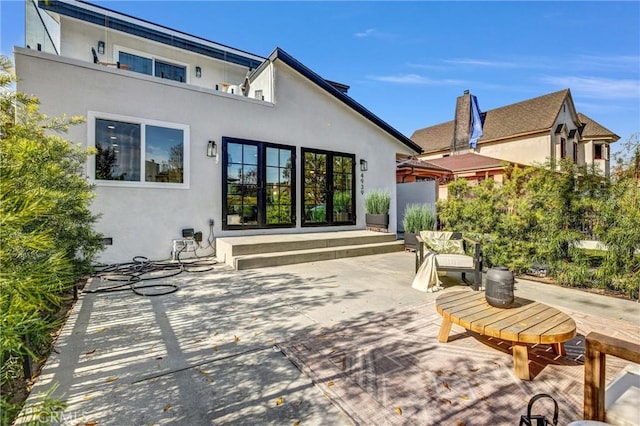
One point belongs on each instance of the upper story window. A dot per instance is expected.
(138, 152)
(563, 148)
(575, 152)
(601, 152)
(152, 66)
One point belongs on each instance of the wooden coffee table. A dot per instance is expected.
(525, 322)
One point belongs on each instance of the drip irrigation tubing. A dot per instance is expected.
(141, 275)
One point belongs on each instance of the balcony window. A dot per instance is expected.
(136, 63)
(152, 66)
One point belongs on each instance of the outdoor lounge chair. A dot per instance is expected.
(454, 253)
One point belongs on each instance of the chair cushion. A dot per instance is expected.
(454, 261)
(446, 246)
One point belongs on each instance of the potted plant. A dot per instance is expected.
(417, 217)
(377, 203)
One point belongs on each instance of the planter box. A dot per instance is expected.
(410, 241)
(377, 220)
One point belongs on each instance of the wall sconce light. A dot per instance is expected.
(101, 47)
(212, 150)
(363, 165)
(198, 72)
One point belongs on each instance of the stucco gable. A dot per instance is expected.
(329, 87)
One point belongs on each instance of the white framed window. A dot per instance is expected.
(145, 63)
(138, 152)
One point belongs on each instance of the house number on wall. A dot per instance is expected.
(362, 183)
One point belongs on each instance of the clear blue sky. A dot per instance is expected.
(408, 61)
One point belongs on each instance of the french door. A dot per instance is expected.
(259, 184)
(328, 188)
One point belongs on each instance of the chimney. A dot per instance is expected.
(462, 123)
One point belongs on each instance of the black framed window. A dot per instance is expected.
(152, 66)
(170, 71)
(259, 190)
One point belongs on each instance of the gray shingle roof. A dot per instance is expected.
(594, 130)
(529, 116)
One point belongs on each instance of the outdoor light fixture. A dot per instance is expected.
(198, 72)
(363, 165)
(212, 149)
(101, 47)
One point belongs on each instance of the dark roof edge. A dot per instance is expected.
(278, 53)
(82, 10)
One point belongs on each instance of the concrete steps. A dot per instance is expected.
(262, 251)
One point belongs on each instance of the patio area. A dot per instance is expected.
(345, 341)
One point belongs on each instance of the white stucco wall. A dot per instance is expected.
(602, 165)
(323, 122)
(77, 39)
(524, 150)
(143, 221)
(263, 81)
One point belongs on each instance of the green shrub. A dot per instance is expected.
(418, 217)
(47, 237)
(377, 201)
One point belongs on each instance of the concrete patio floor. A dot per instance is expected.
(212, 352)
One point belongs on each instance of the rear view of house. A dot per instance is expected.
(192, 134)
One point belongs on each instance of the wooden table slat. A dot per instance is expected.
(510, 328)
(480, 307)
(499, 316)
(452, 298)
(566, 330)
(478, 320)
(463, 306)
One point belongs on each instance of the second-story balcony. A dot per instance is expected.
(85, 32)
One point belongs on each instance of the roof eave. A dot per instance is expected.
(117, 21)
(280, 54)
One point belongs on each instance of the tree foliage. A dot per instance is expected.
(46, 234)
(539, 214)
(618, 226)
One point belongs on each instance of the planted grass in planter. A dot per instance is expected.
(377, 203)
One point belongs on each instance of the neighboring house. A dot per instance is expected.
(194, 134)
(472, 167)
(535, 131)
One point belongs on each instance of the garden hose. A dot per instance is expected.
(137, 275)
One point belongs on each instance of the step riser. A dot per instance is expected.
(290, 258)
(274, 247)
